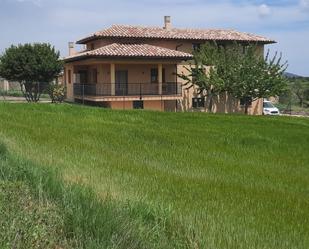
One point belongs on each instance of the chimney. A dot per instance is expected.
(71, 49)
(167, 23)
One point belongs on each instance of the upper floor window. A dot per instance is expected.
(244, 49)
(196, 46)
(92, 46)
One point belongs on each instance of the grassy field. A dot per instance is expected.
(26, 222)
(166, 180)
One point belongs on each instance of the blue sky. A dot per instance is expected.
(60, 21)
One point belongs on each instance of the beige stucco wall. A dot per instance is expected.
(154, 105)
(139, 73)
(181, 45)
(120, 105)
(69, 68)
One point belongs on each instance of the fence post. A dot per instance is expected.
(83, 93)
(161, 102)
(123, 98)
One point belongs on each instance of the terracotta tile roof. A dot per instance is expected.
(125, 31)
(132, 51)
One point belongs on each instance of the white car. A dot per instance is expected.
(270, 109)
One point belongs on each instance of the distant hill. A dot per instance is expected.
(291, 75)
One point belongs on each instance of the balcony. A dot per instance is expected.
(138, 90)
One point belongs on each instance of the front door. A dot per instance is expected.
(121, 83)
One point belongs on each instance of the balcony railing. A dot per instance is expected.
(130, 89)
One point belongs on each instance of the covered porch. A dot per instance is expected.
(112, 81)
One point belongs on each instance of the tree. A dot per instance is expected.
(204, 74)
(238, 70)
(300, 88)
(32, 65)
(258, 77)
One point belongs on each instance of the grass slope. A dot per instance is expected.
(220, 181)
(27, 223)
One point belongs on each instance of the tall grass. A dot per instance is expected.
(90, 222)
(174, 180)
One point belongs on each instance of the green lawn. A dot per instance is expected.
(220, 181)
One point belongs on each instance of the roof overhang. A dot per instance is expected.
(125, 58)
(94, 38)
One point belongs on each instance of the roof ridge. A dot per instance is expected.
(174, 28)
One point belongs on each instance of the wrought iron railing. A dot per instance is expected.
(130, 89)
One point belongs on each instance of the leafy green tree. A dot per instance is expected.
(204, 75)
(240, 71)
(32, 65)
(300, 88)
(258, 77)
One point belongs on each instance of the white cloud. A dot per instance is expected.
(304, 4)
(264, 10)
(35, 2)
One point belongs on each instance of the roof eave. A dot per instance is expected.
(96, 37)
(87, 39)
(85, 57)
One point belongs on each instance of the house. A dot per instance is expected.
(4, 85)
(135, 67)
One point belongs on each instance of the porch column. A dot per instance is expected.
(113, 79)
(160, 77)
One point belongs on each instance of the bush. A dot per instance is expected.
(56, 93)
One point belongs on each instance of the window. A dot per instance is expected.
(69, 77)
(154, 75)
(245, 100)
(198, 102)
(139, 104)
(95, 76)
(163, 75)
(196, 46)
(92, 46)
(221, 46)
(244, 49)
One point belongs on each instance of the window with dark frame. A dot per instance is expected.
(69, 77)
(138, 104)
(245, 100)
(163, 75)
(92, 46)
(198, 102)
(154, 75)
(244, 49)
(196, 46)
(95, 76)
